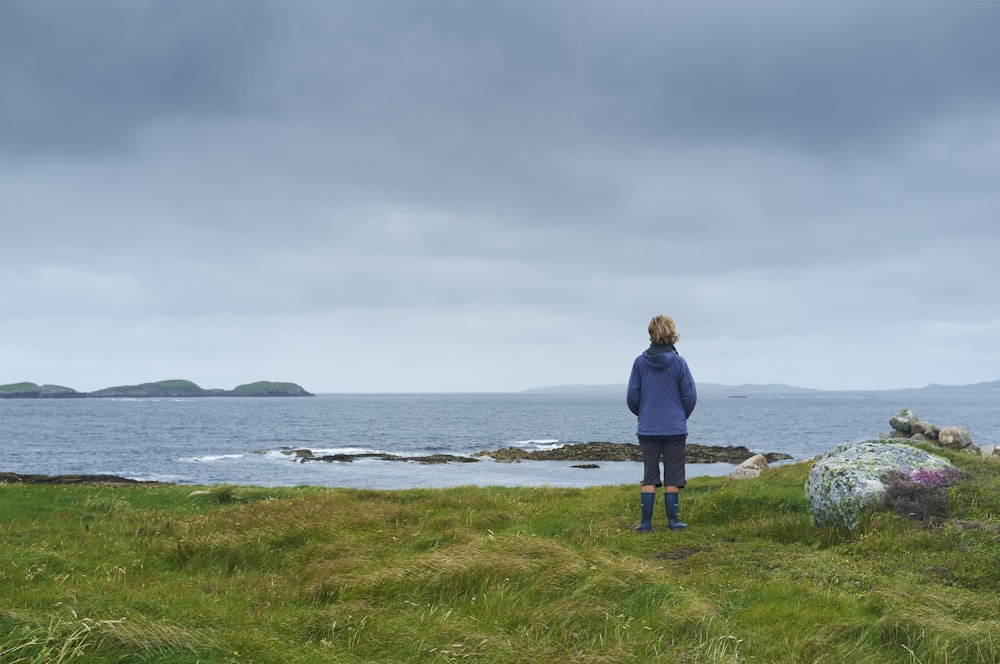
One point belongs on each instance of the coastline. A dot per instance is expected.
(90, 480)
(582, 464)
(377, 475)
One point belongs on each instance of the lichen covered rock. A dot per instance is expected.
(847, 480)
(903, 421)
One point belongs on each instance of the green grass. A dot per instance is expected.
(243, 574)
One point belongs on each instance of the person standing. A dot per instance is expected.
(662, 395)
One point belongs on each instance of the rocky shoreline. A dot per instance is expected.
(101, 480)
(590, 452)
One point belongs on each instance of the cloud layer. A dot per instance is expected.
(451, 196)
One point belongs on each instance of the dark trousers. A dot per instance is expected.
(673, 452)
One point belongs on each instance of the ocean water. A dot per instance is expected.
(207, 441)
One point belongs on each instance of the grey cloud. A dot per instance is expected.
(834, 78)
(469, 78)
(851, 76)
(81, 77)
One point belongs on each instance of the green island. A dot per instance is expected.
(155, 573)
(163, 388)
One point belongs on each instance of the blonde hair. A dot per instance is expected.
(662, 331)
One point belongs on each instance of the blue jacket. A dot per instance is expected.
(661, 392)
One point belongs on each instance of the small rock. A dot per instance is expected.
(929, 430)
(744, 473)
(750, 468)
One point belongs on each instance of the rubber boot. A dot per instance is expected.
(646, 503)
(672, 521)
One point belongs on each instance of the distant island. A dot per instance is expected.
(163, 388)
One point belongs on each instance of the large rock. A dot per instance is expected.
(847, 479)
(956, 437)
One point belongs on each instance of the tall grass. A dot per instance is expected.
(66, 638)
(241, 574)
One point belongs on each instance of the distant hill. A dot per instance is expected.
(577, 389)
(745, 389)
(15, 390)
(752, 388)
(706, 388)
(989, 385)
(163, 388)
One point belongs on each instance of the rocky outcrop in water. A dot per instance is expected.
(595, 451)
(601, 451)
(103, 480)
(307, 455)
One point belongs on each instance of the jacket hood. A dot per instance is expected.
(660, 357)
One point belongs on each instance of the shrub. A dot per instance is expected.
(225, 494)
(921, 494)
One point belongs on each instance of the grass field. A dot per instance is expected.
(242, 574)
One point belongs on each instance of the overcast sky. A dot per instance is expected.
(435, 195)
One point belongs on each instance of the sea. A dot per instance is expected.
(251, 441)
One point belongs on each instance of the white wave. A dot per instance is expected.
(552, 446)
(209, 458)
(291, 453)
(166, 479)
(324, 451)
(539, 444)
